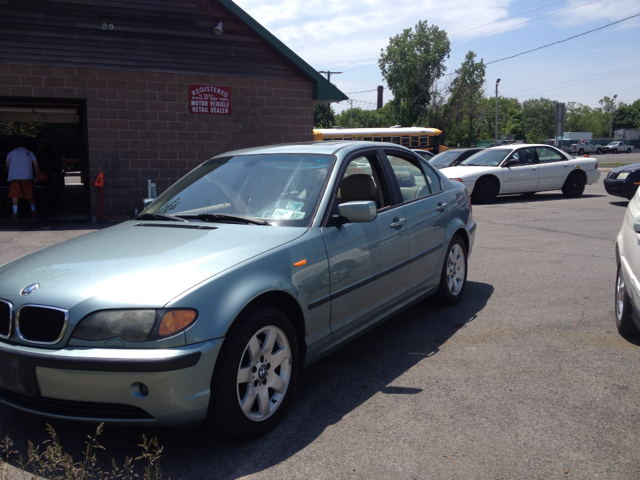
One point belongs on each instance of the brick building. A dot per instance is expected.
(127, 74)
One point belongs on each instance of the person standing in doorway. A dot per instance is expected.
(21, 164)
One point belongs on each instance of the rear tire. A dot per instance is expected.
(255, 374)
(453, 279)
(628, 150)
(598, 151)
(581, 151)
(574, 185)
(625, 324)
(485, 191)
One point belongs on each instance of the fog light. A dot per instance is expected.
(139, 390)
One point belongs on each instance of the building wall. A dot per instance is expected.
(139, 124)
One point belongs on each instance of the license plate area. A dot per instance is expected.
(18, 375)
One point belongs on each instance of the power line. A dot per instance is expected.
(507, 18)
(562, 41)
(599, 75)
(362, 91)
(526, 21)
(580, 83)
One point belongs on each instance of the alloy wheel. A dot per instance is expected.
(456, 269)
(264, 373)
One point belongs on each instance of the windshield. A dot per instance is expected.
(282, 189)
(487, 158)
(612, 143)
(444, 159)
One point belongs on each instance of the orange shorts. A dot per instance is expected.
(21, 189)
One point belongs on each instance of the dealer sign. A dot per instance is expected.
(210, 99)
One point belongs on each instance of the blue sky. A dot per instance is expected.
(347, 36)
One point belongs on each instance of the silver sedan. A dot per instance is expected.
(208, 304)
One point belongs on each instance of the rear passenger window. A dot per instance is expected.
(546, 155)
(412, 182)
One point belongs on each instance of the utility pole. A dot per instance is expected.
(351, 102)
(611, 115)
(380, 89)
(495, 141)
(329, 104)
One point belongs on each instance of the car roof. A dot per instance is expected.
(320, 148)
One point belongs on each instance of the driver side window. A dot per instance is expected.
(524, 156)
(361, 182)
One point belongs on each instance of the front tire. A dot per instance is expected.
(485, 191)
(624, 322)
(598, 151)
(453, 279)
(574, 185)
(255, 374)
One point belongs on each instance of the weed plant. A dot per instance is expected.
(51, 462)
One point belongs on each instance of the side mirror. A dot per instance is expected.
(147, 201)
(359, 212)
(636, 223)
(510, 163)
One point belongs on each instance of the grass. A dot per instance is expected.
(51, 462)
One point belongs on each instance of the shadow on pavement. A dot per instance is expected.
(327, 391)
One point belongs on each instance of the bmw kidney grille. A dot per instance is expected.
(41, 324)
(6, 312)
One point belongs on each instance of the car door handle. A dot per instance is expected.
(441, 206)
(397, 223)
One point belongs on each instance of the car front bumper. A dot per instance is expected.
(161, 387)
(620, 188)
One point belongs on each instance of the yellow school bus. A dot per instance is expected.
(416, 138)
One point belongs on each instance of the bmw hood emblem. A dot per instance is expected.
(29, 289)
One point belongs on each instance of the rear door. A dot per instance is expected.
(367, 261)
(425, 208)
(553, 168)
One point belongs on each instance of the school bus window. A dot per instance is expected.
(424, 140)
(327, 139)
(377, 139)
(405, 141)
(366, 139)
(386, 139)
(414, 141)
(396, 140)
(347, 138)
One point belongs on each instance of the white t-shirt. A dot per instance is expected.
(20, 164)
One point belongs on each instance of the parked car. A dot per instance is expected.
(623, 181)
(451, 158)
(617, 147)
(426, 154)
(49, 187)
(252, 266)
(523, 168)
(585, 146)
(627, 297)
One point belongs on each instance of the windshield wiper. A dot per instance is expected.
(159, 216)
(222, 218)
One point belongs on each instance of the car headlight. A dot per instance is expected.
(133, 325)
(623, 175)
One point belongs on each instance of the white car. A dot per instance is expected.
(523, 168)
(628, 260)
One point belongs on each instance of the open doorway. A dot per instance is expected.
(55, 131)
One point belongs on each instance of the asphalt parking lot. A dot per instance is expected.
(526, 378)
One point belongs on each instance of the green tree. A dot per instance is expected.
(411, 64)
(360, 118)
(320, 115)
(626, 116)
(462, 111)
(538, 116)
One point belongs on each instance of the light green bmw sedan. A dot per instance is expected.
(206, 306)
